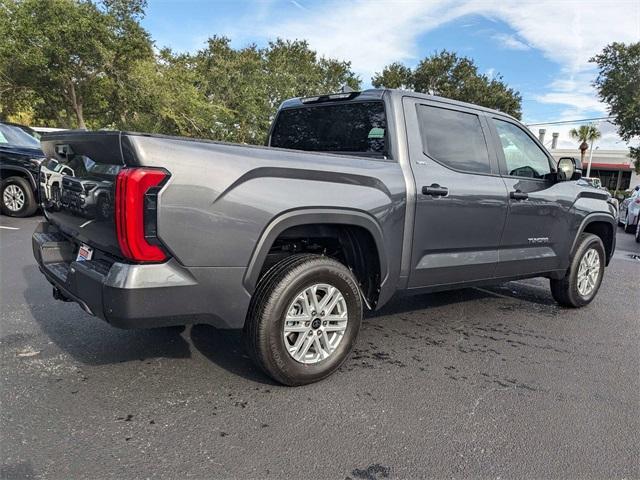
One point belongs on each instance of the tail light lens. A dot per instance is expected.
(136, 214)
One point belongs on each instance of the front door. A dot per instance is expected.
(461, 203)
(537, 224)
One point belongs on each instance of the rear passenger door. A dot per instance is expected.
(538, 223)
(461, 203)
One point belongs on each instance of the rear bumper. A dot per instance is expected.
(141, 296)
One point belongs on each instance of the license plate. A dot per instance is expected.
(85, 253)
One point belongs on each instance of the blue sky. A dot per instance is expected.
(540, 48)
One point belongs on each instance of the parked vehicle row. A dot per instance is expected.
(629, 213)
(358, 197)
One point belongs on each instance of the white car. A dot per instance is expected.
(51, 174)
(629, 211)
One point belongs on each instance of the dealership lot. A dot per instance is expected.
(491, 382)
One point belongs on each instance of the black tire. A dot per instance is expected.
(56, 197)
(638, 231)
(30, 205)
(628, 228)
(565, 290)
(103, 208)
(263, 330)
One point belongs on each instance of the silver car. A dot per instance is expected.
(629, 211)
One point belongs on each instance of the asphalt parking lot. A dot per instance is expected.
(480, 383)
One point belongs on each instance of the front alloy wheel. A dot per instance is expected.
(14, 198)
(588, 272)
(582, 280)
(17, 199)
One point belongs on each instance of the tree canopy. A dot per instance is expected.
(66, 60)
(618, 84)
(446, 74)
(90, 63)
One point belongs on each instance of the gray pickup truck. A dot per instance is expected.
(356, 198)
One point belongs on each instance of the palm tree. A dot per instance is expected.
(585, 134)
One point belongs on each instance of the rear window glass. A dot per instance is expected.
(355, 128)
(454, 139)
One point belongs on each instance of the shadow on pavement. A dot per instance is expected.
(225, 348)
(521, 291)
(408, 303)
(90, 340)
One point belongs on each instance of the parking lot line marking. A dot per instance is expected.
(86, 223)
(9, 228)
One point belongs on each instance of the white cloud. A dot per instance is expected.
(371, 34)
(608, 141)
(571, 31)
(578, 102)
(510, 42)
(374, 33)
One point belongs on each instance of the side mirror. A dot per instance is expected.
(566, 168)
(620, 197)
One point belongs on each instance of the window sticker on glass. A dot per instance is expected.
(376, 132)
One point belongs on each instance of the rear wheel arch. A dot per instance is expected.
(357, 232)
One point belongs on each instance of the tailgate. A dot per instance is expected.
(77, 185)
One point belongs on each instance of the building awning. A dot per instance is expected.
(625, 167)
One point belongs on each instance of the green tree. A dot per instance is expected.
(79, 63)
(250, 83)
(448, 75)
(586, 135)
(164, 96)
(394, 75)
(69, 59)
(618, 84)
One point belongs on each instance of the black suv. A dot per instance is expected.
(20, 159)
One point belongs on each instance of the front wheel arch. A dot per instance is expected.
(601, 225)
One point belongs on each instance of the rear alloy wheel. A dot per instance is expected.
(17, 198)
(315, 323)
(580, 284)
(304, 319)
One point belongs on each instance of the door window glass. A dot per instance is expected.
(454, 139)
(523, 157)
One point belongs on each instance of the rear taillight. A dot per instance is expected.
(136, 214)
